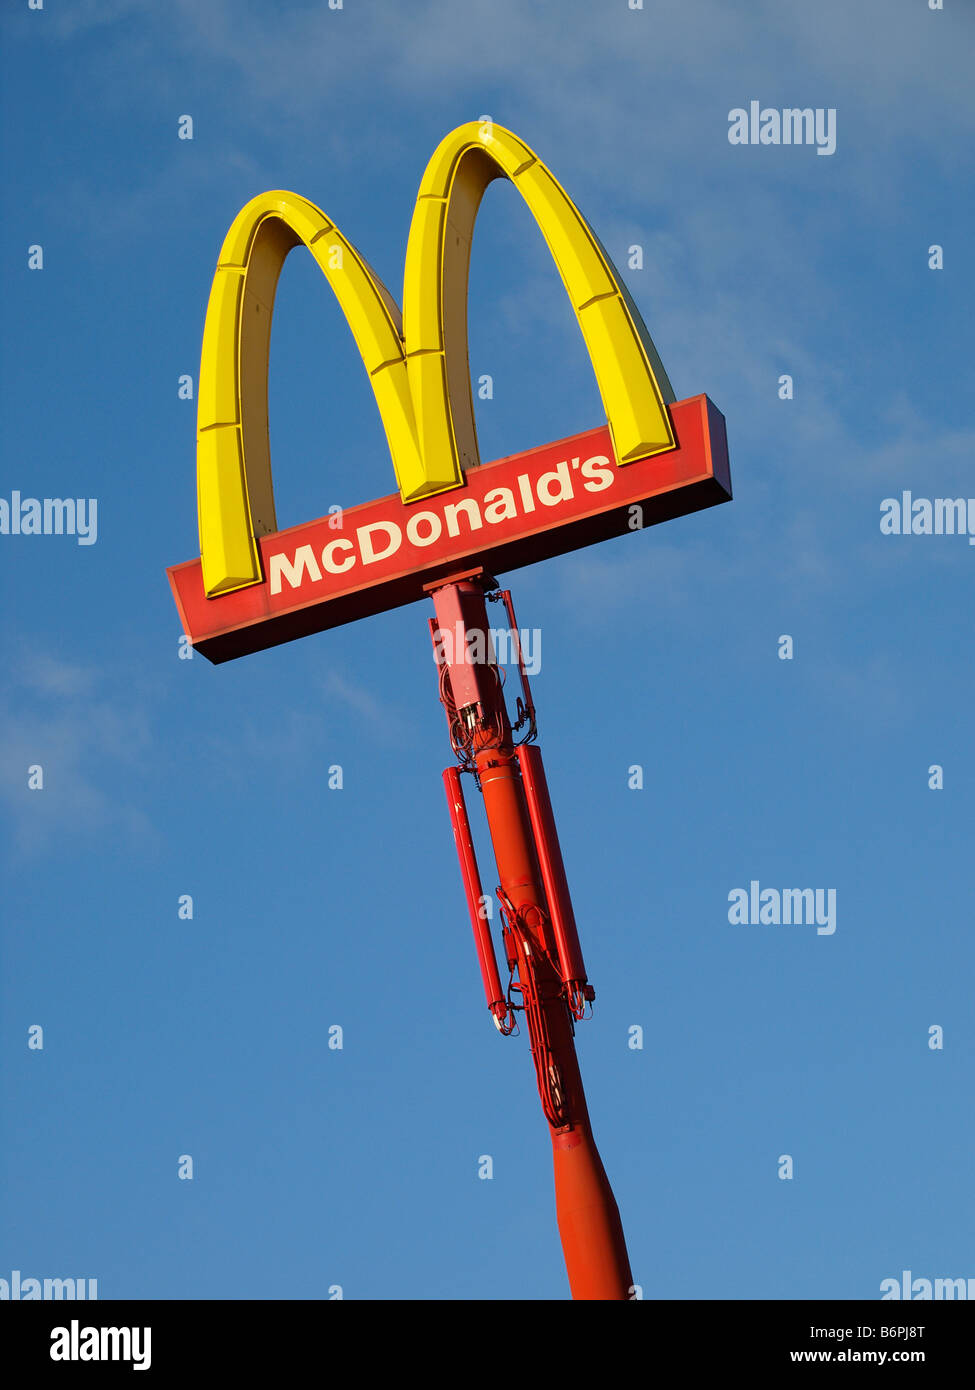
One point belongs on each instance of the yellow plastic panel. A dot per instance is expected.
(217, 402)
(230, 557)
(638, 422)
(428, 387)
(235, 494)
(422, 280)
(584, 272)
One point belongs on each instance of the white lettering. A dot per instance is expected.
(294, 571)
(600, 477)
(429, 519)
(394, 539)
(332, 565)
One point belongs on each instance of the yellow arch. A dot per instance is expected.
(418, 365)
(631, 379)
(234, 488)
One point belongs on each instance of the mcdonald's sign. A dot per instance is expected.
(254, 586)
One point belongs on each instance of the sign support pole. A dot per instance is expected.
(255, 585)
(548, 985)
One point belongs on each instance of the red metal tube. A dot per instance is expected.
(551, 865)
(589, 1220)
(472, 887)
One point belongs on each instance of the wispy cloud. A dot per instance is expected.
(295, 69)
(55, 715)
(382, 718)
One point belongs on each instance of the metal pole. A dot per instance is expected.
(538, 931)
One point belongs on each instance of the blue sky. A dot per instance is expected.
(358, 1168)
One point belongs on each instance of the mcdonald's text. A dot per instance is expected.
(507, 514)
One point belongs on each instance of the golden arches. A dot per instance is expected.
(418, 365)
(630, 376)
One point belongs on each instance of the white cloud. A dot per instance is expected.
(90, 746)
(382, 718)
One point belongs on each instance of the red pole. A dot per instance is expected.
(589, 1221)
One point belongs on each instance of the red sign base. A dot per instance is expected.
(509, 513)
